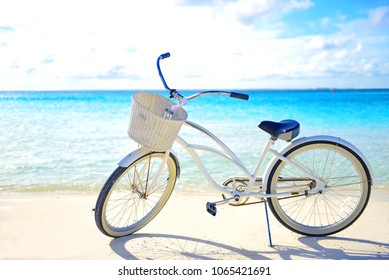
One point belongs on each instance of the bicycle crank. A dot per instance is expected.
(236, 184)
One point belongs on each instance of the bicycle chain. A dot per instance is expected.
(260, 180)
(263, 200)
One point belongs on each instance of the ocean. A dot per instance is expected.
(72, 140)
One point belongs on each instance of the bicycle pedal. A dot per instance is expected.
(211, 208)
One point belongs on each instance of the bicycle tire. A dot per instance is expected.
(348, 186)
(126, 203)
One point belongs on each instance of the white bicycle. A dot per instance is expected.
(314, 186)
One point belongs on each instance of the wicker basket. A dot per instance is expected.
(152, 124)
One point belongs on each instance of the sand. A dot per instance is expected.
(60, 226)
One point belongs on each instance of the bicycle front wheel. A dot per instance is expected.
(348, 185)
(134, 195)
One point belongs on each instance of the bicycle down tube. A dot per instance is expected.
(231, 157)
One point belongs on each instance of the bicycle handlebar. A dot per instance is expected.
(165, 55)
(183, 100)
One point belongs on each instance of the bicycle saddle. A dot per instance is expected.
(285, 130)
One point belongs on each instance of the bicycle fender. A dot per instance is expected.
(128, 159)
(134, 155)
(310, 139)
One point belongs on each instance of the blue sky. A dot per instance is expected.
(101, 44)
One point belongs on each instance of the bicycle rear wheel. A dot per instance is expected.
(348, 185)
(133, 196)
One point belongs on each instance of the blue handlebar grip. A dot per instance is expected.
(239, 95)
(165, 55)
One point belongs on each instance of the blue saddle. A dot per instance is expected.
(285, 130)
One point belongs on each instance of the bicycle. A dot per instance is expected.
(315, 186)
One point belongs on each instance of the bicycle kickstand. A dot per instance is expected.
(268, 224)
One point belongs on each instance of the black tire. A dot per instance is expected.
(127, 203)
(348, 186)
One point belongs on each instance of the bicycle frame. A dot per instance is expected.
(231, 157)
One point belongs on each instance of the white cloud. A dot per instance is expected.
(250, 11)
(322, 42)
(380, 16)
(222, 44)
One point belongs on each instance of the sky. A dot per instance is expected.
(214, 44)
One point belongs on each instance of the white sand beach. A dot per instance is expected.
(60, 226)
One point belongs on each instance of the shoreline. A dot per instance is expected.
(60, 226)
(63, 189)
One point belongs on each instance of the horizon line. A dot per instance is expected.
(193, 89)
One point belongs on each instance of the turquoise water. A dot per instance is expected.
(73, 140)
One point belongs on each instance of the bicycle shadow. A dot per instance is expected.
(168, 247)
(175, 247)
(335, 248)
